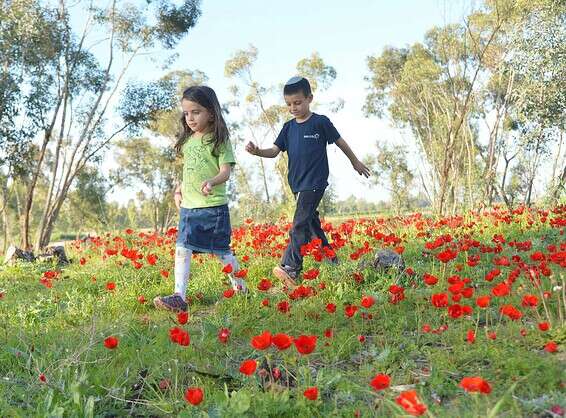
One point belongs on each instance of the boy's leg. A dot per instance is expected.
(237, 284)
(318, 232)
(176, 301)
(316, 229)
(300, 233)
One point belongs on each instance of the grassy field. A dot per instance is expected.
(482, 297)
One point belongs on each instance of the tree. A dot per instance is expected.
(70, 93)
(390, 166)
(151, 170)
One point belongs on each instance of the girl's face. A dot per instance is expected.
(197, 117)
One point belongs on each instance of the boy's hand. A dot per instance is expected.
(206, 187)
(252, 148)
(361, 168)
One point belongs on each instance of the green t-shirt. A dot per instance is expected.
(199, 165)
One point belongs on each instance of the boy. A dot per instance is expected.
(304, 138)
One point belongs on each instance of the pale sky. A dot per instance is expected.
(344, 34)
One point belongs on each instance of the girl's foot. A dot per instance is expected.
(174, 303)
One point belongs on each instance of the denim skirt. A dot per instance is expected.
(205, 230)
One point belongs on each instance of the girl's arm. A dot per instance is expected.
(265, 152)
(357, 164)
(178, 196)
(222, 177)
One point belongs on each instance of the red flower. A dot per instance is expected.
(240, 274)
(475, 384)
(151, 259)
(537, 256)
(194, 395)
(502, 289)
(429, 279)
(471, 336)
(551, 347)
(223, 335)
(367, 301)
(543, 326)
(439, 300)
(483, 301)
(282, 341)
(311, 393)
(182, 317)
(164, 273)
(510, 311)
(110, 286)
(227, 269)
(264, 285)
(248, 367)
(447, 255)
(141, 299)
(82, 261)
(283, 306)
(42, 378)
(455, 311)
(330, 308)
(350, 310)
(311, 274)
(305, 344)
(228, 293)
(395, 289)
(410, 403)
(358, 277)
(111, 342)
(262, 341)
(380, 381)
(179, 336)
(529, 301)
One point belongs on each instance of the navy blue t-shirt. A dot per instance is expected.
(305, 144)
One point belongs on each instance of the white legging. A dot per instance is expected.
(183, 270)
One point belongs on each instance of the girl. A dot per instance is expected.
(204, 224)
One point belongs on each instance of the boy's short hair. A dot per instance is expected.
(297, 84)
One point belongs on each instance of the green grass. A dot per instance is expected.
(59, 332)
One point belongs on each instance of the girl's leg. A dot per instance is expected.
(237, 284)
(182, 270)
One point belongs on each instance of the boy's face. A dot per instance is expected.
(298, 104)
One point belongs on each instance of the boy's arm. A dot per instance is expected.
(222, 177)
(265, 152)
(357, 164)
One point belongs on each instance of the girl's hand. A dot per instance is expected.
(206, 187)
(252, 148)
(178, 197)
(361, 168)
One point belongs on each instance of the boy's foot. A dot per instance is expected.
(174, 303)
(286, 274)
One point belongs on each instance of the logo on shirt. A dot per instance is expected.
(315, 136)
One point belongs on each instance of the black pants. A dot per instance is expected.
(306, 226)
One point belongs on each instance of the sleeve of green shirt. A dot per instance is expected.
(226, 154)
